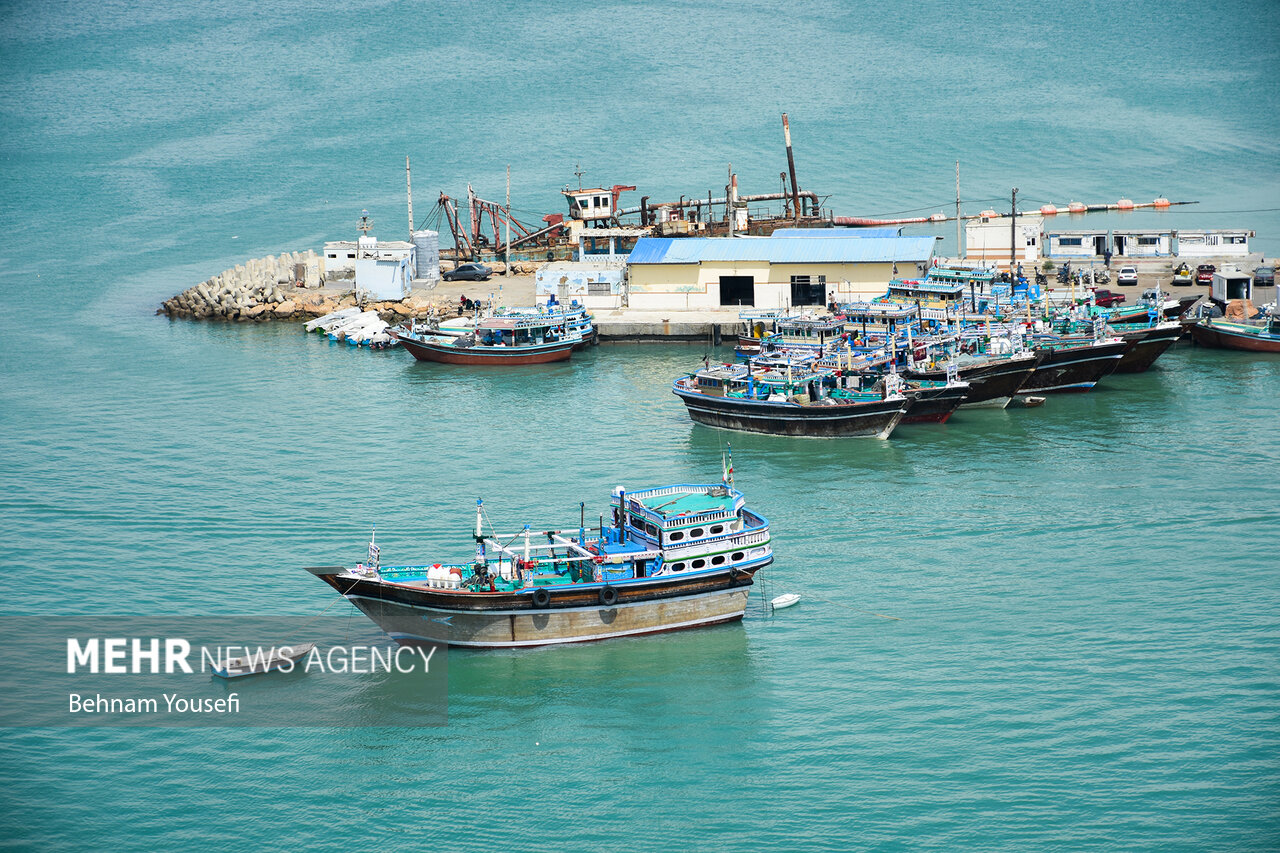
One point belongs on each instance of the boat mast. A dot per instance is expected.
(408, 185)
(959, 244)
(479, 533)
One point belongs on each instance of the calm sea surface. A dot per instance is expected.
(1041, 628)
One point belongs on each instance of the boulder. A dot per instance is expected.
(286, 308)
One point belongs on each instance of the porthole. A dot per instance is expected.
(699, 563)
(696, 532)
(676, 536)
(738, 555)
(717, 560)
(677, 567)
(717, 529)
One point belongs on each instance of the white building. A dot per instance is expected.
(384, 270)
(1212, 244)
(1075, 244)
(340, 259)
(987, 239)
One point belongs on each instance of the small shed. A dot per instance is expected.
(1088, 243)
(384, 270)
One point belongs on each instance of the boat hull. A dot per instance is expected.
(1224, 337)
(573, 614)
(1073, 368)
(485, 355)
(1145, 347)
(933, 405)
(873, 419)
(991, 385)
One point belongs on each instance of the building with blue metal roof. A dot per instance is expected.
(710, 273)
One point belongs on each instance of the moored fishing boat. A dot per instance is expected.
(1072, 365)
(674, 557)
(1146, 343)
(795, 400)
(1255, 336)
(497, 340)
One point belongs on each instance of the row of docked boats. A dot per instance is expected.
(870, 367)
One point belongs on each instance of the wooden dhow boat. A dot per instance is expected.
(674, 557)
(1251, 336)
(793, 400)
(496, 341)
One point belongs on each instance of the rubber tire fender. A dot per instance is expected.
(541, 598)
(608, 596)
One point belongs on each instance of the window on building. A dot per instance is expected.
(351, 255)
(1148, 241)
(598, 288)
(1070, 241)
(1236, 239)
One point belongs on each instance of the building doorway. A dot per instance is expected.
(808, 290)
(1120, 245)
(1100, 245)
(737, 290)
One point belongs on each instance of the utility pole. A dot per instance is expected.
(959, 244)
(506, 255)
(1013, 243)
(408, 187)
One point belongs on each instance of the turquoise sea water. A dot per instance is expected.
(1044, 628)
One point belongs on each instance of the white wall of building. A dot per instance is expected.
(1212, 244)
(384, 271)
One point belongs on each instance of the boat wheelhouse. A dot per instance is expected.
(803, 333)
(673, 557)
(926, 293)
(575, 317)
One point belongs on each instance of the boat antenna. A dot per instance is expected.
(726, 462)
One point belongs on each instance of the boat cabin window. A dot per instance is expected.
(698, 564)
(717, 560)
(719, 528)
(677, 567)
(738, 555)
(676, 535)
(696, 532)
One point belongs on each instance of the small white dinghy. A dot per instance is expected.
(277, 657)
(784, 601)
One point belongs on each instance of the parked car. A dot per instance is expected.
(1182, 275)
(1204, 273)
(1104, 298)
(468, 272)
(1127, 275)
(1264, 277)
